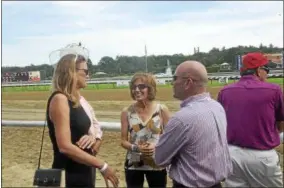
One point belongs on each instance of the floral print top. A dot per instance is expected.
(141, 132)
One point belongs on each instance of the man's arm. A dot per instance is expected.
(175, 136)
(279, 110)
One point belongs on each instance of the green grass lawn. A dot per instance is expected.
(213, 83)
(276, 80)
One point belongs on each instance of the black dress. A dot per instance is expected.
(76, 174)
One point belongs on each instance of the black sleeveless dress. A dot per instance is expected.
(76, 174)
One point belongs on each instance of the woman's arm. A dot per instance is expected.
(96, 146)
(98, 135)
(95, 130)
(98, 130)
(124, 131)
(59, 114)
(165, 112)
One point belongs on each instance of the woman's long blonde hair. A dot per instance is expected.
(64, 78)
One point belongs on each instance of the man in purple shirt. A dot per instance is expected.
(254, 110)
(194, 141)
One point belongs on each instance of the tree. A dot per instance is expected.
(127, 65)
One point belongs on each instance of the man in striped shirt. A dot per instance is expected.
(194, 141)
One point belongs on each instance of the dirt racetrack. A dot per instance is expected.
(21, 151)
(20, 146)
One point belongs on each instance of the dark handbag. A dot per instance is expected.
(47, 177)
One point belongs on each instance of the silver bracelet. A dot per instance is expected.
(103, 169)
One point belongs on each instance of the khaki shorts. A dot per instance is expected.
(254, 168)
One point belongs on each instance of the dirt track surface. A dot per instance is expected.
(21, 145)
(163, 94)
(21, 151)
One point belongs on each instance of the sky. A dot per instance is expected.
(31, 30)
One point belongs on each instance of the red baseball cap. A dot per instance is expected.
(253, 60)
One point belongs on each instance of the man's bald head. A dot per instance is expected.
(194, 70)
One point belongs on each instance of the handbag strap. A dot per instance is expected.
(41, 144)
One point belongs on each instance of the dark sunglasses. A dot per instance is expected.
(266, 69)
(176, 77)
(139, 86)
(85, 70)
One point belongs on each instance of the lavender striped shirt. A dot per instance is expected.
(194, 143)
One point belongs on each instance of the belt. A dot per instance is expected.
(250, 148)
(178, 185)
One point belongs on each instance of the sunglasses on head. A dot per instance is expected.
(85, 70)
(139, 86)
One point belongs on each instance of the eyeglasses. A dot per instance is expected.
(85, 70)
(139, 86)
(265, 68)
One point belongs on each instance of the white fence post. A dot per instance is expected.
(106, 126)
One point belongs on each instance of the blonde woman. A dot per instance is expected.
(69, 124)
(143, 122)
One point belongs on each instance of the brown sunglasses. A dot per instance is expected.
(85, 70)
(139, 86)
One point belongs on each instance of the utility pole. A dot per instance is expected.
(146, 58)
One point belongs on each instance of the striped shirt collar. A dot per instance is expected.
(194, 98)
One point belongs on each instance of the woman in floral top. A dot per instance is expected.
(143, 123)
